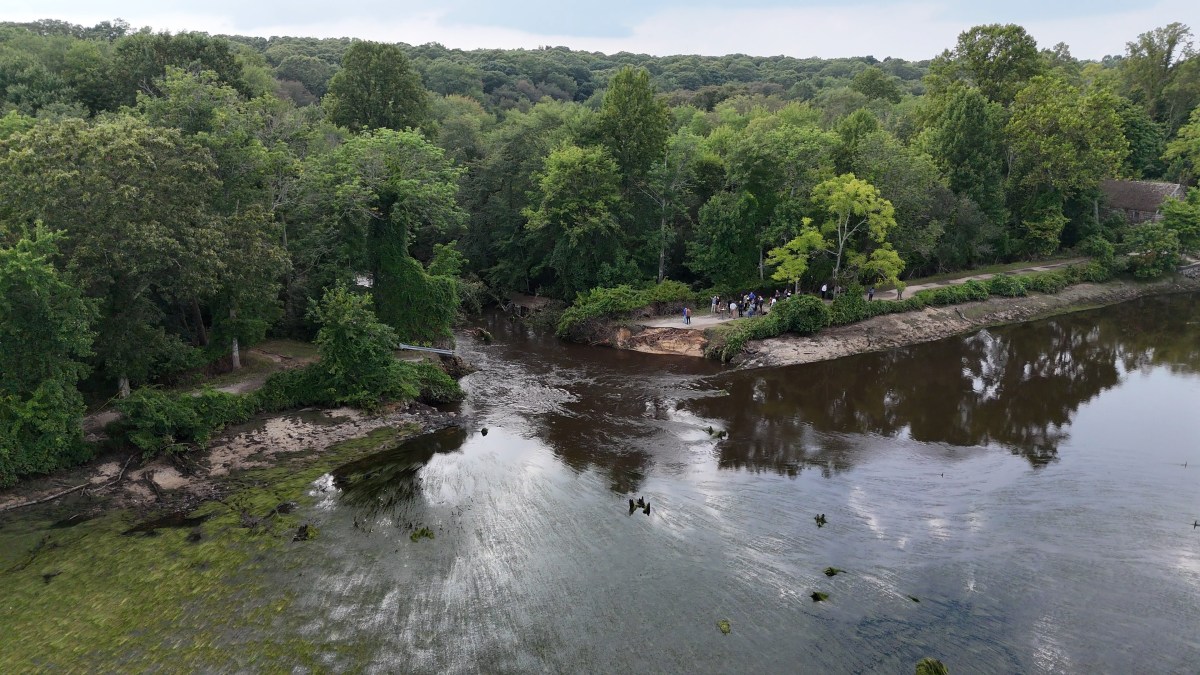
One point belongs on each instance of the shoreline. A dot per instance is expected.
(892, 330)
(119, 480)
(935, 323)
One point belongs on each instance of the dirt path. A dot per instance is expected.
(703, 319)
(983, 277)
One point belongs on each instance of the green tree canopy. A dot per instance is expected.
(574, 216)
(44, 338)
(376, 89)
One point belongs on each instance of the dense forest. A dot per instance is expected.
(168, 199)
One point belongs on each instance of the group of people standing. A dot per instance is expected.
(756, 303)
(749, 304)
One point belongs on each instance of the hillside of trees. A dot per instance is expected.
(166, 199)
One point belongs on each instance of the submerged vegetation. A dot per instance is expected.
(73, 594)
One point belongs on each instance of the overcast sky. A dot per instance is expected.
(827, 28)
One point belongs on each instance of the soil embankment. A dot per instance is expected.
(893, 330)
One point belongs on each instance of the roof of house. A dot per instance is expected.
(1138, 195)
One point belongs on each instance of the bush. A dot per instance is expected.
(1094, 272)
(40, 432)
(599, 303)
(1006, 285)
(156, 421)
(849, 307)
(1046, 282)
(801, 314)
(971, 291)
(732, 341)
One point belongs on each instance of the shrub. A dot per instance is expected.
(1094, 272)
(1006, 285)
(617, 301)
(849, 307)
(432, 383)
(801, 314)
(155, 421)
(971, 291)
(732, 341)
(1046, 282)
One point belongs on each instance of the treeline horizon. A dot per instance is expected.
(168, 198)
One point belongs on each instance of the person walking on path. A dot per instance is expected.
(870, 294)
(716, 300)
(824, 291)
(687, 315)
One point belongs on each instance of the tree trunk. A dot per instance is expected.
(198, 317)
(662, 247)
(760, 263)
(235, 355)
(123, 386)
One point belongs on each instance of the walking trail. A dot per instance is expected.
(703, 319)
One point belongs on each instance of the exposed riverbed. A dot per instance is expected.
(1014, 500)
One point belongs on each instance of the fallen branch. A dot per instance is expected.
(68, 491)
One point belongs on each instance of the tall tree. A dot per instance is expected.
(997, 59)
(723, 249)
(967, 142)
(857, 221)
(142, 251)
(910, 180)
(140, 60)
(366, 202)
(577, 196)
(633, 123)
(1152, 70)
(1183, 153)
(376, 88)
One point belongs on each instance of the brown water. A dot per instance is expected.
(1025, 484)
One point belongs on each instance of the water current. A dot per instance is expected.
(1015, 500)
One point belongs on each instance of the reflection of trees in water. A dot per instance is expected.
(388, 482)
(603, 428)
(1018, 387)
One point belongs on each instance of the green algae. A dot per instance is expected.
(833, 571)
(724, 625)
(931, 666)
(818, 596)
(92, 598)
(421, 533)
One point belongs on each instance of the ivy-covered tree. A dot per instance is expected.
(367, 202)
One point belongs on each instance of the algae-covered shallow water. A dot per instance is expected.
(1011, 501)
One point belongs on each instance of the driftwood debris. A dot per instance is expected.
(68, 491)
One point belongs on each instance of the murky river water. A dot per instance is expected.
(1011, 501)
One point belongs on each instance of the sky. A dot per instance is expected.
(909, 29)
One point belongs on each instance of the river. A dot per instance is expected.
(1015, 500)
